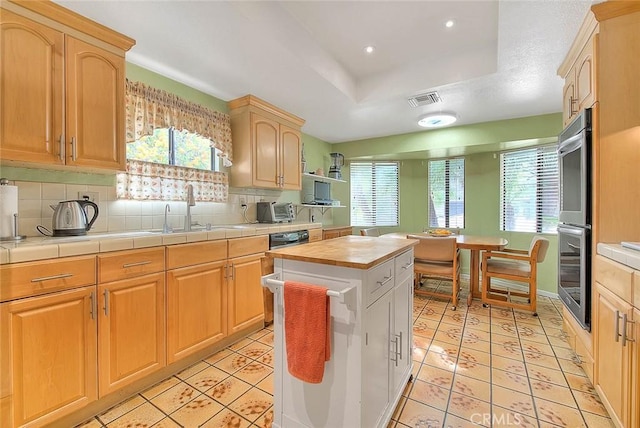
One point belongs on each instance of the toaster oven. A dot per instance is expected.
(274, 212)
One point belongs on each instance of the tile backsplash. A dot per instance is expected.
(115, 215)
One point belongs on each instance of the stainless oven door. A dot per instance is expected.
(574, 166)
(574, 272)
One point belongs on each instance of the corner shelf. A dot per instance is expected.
(322, 178)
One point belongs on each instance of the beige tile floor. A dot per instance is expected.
(475, 366)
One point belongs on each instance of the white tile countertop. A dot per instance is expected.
(620, 254)
(39, 248)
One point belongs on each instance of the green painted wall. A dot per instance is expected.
(482, 184)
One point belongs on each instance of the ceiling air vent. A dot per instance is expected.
(424, 99)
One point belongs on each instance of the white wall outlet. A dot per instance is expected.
(243, 201)
(93, 196)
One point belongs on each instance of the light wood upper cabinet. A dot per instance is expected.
(266, 145)
(31, 90)
(61, 88)
(48, 358)
(579, 71)
(95, 106)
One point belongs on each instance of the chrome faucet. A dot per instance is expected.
(191, 202)
(166, 228)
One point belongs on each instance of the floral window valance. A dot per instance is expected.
(148, 108)
(152, 181)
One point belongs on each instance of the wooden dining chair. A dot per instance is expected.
(372, 231)
(513, 265)
(437, 257)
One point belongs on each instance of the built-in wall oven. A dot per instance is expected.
(574, 230)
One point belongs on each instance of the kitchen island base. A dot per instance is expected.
(370, 364)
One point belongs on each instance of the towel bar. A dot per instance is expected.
(347, 296)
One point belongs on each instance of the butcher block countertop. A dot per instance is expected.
(360, 252)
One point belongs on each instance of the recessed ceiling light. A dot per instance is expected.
(369, 49)
(437, 120)
(449, 23)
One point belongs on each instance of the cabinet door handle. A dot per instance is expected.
(395, 351)
(106, 302)
(385, 279)
(573, 101)
(405, 267)
(617, 329)
(92, 299)
(128, 265)
(624, 330)
(49, 278)
(400, 337)
(232, 268)
(74, 149)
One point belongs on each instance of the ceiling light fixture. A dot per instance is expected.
(449, 23)
(437, 120)
(369, 49)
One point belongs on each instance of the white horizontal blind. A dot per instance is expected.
(374, 193)
(446, 193)
(529, 190)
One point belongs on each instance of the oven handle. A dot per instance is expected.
(576, 231)
(571, 144)
(575, 247)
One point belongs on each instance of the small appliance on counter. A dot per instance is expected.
(9, 212)
(70, 219)
(273, 212)
(337, 162)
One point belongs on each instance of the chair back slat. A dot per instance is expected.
(437, 249)
(541, 245)
(371, 231)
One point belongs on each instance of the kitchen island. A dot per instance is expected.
(370, 281)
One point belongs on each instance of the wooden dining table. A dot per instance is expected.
(473, 243)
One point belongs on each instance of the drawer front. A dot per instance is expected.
(379, 281)
(403, 265)
(315, 235)
(194, 254)
(250, 245)
(45, 276)
(614, 276)
(128, 264)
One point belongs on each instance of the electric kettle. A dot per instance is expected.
(70, 218)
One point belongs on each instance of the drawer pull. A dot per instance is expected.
(407, 265)
(128, 265)
(385, 280)
(49, 278)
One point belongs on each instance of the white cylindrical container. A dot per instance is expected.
(8, 209)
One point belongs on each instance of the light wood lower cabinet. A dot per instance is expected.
(616, 335)
(131, 330)
(131, 317)
(196, 297)
(49, 356)
(315, 235)
(244, 296)
(336, 232)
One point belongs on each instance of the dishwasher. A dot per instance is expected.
(279, 240)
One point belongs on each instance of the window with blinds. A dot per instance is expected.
(529, 190)
(446, 193)
(374, 193)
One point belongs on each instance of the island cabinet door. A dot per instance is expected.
(375, 360)
(401, 334)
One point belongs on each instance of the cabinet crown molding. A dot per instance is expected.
(613, 9)
(252, 100)
(587, 29)
(66, 17)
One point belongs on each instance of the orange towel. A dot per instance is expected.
(307, 327)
